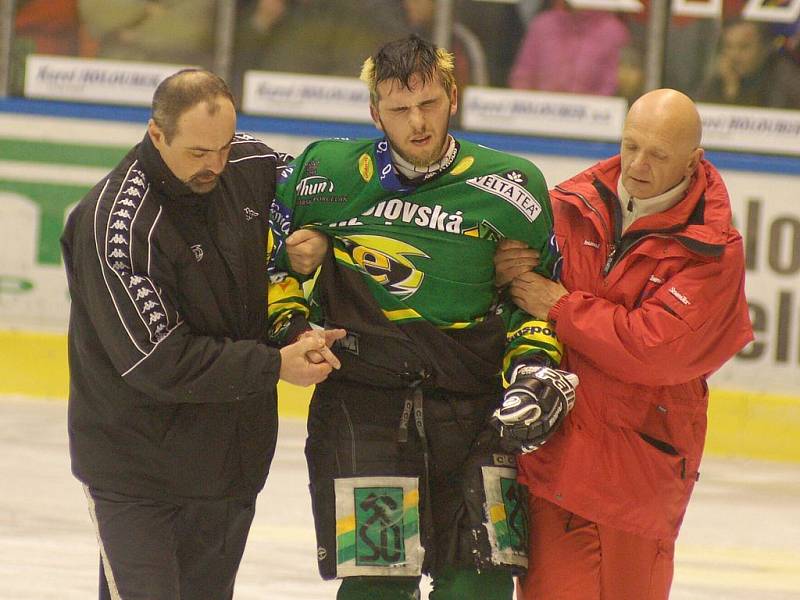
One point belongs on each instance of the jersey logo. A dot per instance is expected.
(432, 217)
(509, 187)
(365, 167)
(463, 165)
(313, 186)
(387, 261)
(485, 231)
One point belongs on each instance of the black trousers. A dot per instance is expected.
(155, 550)
(353, 431)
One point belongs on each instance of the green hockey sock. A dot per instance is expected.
(468, 584)
(379, 588)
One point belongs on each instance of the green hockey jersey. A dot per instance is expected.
(424, 249)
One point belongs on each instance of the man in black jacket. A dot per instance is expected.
(172, 409)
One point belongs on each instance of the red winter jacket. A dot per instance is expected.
(648, 318)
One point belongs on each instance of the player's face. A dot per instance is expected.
(198, 152)
(415, 119)
(653, 159)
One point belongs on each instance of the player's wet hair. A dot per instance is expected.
(181, 91)
(404, 58)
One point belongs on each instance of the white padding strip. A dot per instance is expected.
(112, 584)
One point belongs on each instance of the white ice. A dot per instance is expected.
(740, 539)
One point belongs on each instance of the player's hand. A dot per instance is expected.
(535, 294)
(298, 368)
(512, 258)
(534, 406)
(306, 248)
(325, 354)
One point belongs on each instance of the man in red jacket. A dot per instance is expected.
(650, 303)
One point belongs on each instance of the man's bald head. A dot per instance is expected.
(670, 111)
(660, 142)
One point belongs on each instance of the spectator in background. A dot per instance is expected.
(45, 27)
(750, 71)
(499, 28)
(689, 47)
(321, 37)
(569, 50)
(167, 31)
(630, 74)
(470, 58)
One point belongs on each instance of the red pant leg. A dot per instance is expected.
(564, 555)
(633, 567)
(575, 559)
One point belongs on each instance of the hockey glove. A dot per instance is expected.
(534, 405)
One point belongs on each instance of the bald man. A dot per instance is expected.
(650, 303)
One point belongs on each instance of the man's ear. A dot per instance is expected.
(376, 118)
(155, 133)
(453, 100)
(696, 157)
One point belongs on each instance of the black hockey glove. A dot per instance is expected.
(534, 406)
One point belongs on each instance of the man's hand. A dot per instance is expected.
(330, 336)
(309, 360)
(511, 259)
(306, 248)
(535, 294)
(534, 406)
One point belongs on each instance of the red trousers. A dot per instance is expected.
(575, 559)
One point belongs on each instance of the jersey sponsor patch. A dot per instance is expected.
(485, 231)
(387, 261)
(464, 164)
(313, 185)
(433, 217)
(507, 524)
(509, 187)
(365, 167)
(377, 527)
(315, 188)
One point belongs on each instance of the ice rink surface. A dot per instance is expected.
(740, 539)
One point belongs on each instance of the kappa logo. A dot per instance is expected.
(141, 290)
(509, 187)
(591, 244)
(249, 213)
(197, 249)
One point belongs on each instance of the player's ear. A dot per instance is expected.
(453, 100)
(376, 118)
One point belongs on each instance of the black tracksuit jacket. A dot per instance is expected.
(172, 386)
